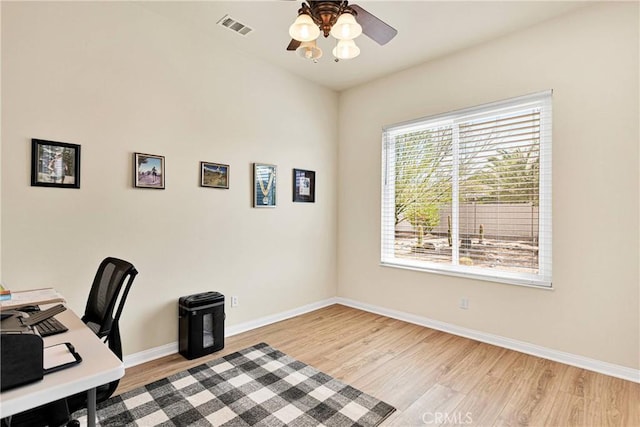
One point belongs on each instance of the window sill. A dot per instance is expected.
(459, 272)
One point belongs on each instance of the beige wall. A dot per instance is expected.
(118, 79)
(590, 60)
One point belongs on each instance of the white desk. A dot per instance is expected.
(99, 366)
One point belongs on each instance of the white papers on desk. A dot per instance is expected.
(32, 297)
(59, 356)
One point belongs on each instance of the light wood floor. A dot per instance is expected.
(431, 377)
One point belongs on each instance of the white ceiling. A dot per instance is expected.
(426, 30)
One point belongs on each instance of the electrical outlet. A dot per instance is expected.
(234, 301)
(464, 303)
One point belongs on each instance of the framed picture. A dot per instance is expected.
(304, 186)
(148, 171)
(55, 164)
(214, 175)
(264, 185)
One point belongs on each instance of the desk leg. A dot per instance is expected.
(91, 407)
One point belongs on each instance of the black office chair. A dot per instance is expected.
(102, 315)
(104, 308)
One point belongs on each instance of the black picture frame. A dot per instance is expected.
(264, 185)
(214, 175)
(55, 164)
(304, 186)
(148, 171)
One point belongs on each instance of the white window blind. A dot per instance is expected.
(469, 192)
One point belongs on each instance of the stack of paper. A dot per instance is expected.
(32, 297)
(5, 294)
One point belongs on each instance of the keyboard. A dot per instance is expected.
(50, 326)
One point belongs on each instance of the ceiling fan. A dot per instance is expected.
(339, 19)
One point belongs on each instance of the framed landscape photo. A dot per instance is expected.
(148, 171)
(304, 186)
(214, 175)
(264, 185)
(55, 164)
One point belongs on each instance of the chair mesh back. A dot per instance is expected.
(107, 290)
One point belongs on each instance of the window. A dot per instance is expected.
(468, 193)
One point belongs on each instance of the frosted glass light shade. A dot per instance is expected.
(309, 50)
(346, 27)
(346, 49)
(304, 29)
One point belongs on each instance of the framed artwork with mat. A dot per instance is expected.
(264, 185)
(304, 186)
(148, 171)
(214, 175)
(55, 164)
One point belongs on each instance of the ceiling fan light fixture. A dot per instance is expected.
(346, 49)
(304, 29)
(309, 50)
(346, 27)
(342, 21)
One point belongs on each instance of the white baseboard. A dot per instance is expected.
(267, 320)
(172, 348)
(606, 368)
(151, 354)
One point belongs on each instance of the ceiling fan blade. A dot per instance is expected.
(293, 44)
(376, 29)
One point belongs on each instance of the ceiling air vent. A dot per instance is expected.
(232, 24)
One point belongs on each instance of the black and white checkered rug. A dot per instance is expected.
(257, 386)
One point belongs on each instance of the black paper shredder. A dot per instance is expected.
(201, 329)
